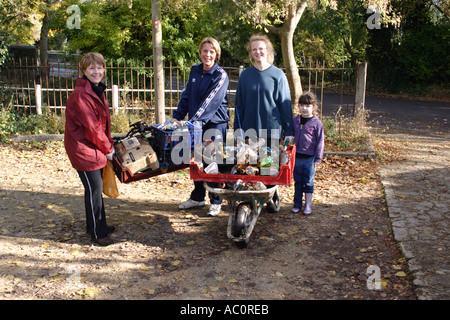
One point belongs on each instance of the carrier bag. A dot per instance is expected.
(109, 181)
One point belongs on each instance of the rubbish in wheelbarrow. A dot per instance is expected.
(284, 176)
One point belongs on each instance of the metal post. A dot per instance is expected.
(38, 96)
(360, 91)
(115, 99)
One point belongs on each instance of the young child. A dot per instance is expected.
(309, 142)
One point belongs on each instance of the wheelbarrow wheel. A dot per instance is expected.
(243, 216)
(274, 204)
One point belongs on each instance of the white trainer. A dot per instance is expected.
(191, 204)
(214, 210)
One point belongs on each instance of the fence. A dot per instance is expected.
(130, 84)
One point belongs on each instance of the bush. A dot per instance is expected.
(49, 122)
(7, 124)
(346, 134)
(120, 123)
(329, 127)
(7, 118)
(15, 122)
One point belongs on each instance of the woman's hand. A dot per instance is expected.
(110, 155)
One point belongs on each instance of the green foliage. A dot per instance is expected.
(104, 28)
(16, 21)
(6, 116)
(7, 123)
(332, 35)
(121, 31)
(3, 50)
(329, 127)
(120, 122)
(425, 54)
(346, 134)
(414, 56)
(409, 56)
(14, 122)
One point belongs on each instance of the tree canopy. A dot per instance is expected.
(409, 44)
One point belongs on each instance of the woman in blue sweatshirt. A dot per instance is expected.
(204, 99)
(263, 100)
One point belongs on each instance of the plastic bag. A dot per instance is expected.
(109, 181)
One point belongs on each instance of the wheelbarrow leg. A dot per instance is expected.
(274, 204)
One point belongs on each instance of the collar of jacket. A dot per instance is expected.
(211, 71)
(86, 84)
(311, 120)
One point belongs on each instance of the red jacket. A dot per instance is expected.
(87, 136)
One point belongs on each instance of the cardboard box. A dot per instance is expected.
(137, 155)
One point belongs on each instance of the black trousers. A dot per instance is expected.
(93, 201)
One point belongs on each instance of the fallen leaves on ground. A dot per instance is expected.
(165, 253)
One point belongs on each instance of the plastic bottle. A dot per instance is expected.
(258, 144)
(250, 170)
(284, 158)
(260, 186)
(267, 161)
(246, 154)
(238, 185)
(212, 168)
(241, 153)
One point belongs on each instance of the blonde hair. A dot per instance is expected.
(214, 43)
(269, 46)
(90, 58)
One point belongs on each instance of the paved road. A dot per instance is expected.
(417, 188)
(394, 112)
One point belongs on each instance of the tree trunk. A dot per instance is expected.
(291, 68)
(286, 34)
(43, 46)
(158, 62)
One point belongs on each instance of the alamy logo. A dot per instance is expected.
(74, 280)
(74, 21)
(374, 279)
(374, 20)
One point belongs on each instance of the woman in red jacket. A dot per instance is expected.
(88, 142)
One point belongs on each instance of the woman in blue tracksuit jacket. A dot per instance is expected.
(204, 99)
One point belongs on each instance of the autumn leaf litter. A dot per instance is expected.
(165, 253)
